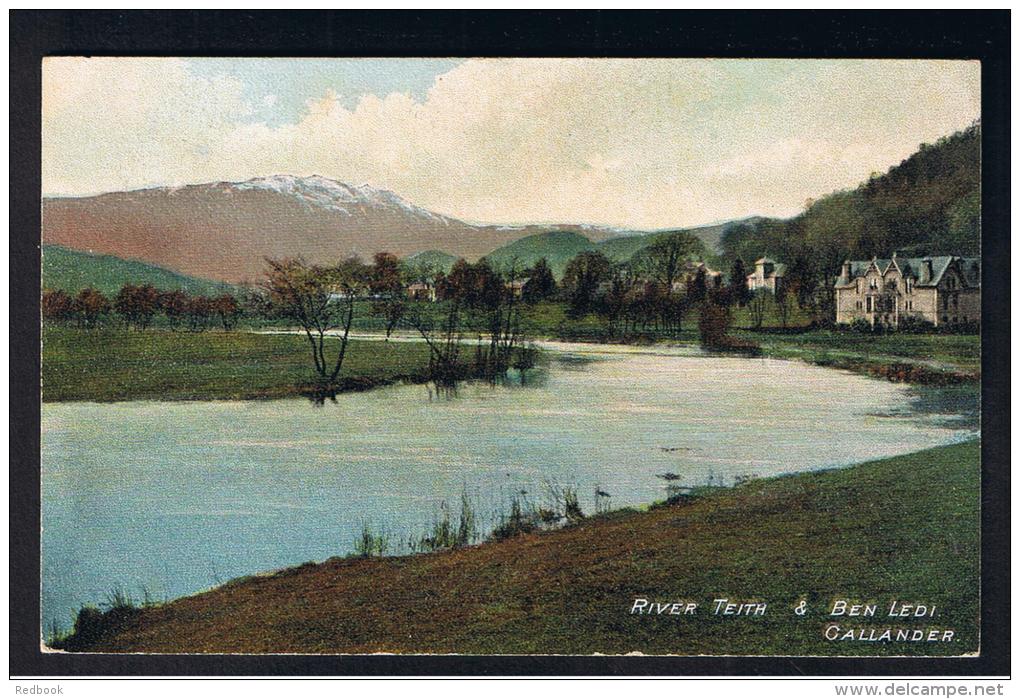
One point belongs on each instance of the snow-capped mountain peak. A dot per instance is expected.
(323, 192)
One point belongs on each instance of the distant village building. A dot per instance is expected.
(940, 290)
(767, 274)
(516, 287)
(713, 278)
(421, 291)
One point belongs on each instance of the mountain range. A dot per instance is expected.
(224, 230)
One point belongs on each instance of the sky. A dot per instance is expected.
(637, 143)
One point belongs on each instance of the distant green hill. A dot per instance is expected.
(557, 247)
(73, 270)
(432, 258)
(625, 247)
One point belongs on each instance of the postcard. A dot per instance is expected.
(511, 356)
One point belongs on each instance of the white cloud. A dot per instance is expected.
(644, 143)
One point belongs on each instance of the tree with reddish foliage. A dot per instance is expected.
(89, 306)
(228, 310)
(137, 304)
(713, 324)
(200, 309)
(475, 286)
(384, 274)
(57, 305)
(174, 305)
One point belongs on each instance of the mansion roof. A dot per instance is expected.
(916, 268)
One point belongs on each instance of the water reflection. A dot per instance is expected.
(954, 407)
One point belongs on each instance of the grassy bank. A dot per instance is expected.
(934, 359)
(109, 365)
(902, 529)
(914, 358)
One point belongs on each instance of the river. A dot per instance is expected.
(175, 497)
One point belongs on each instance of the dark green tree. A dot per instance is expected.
(541, 283)
(738, 291)
(584, 274)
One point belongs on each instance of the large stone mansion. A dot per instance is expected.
(941, 290)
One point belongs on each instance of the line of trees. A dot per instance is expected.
(653, 291)
(322, 301)
(478, 298)
(137, 306)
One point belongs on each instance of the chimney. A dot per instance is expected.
(928, 271)
(846, 270)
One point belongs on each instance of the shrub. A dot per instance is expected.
(713, 324)
(519, 521)
(916, 324)
(443, 534)
(92, 623)
(571, 506)
(859, 325)
(371, 544)
(960, 328)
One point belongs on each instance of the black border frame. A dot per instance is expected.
(978, 35)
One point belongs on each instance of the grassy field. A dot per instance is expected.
(953, 352)
(109, 365)
(904, 529)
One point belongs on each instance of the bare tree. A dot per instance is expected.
(784, 304)
(442, 335)
(757, 307)
(321, 300)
